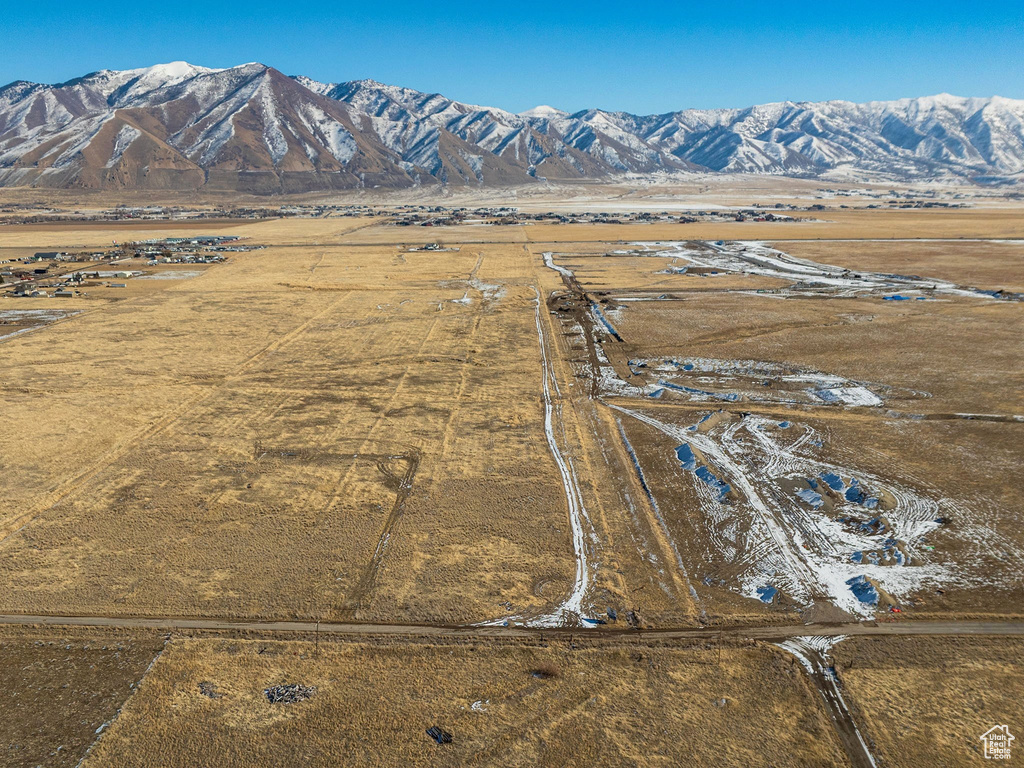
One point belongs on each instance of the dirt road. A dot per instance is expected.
(813, 655)
(809, 643)
(359, 629)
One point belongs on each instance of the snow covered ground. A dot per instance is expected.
(757, 258)
(817, 530)
(813, 655)
(793, 524)
(702, 379)
(572, 608)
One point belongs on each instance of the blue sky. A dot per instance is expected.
(640, 57)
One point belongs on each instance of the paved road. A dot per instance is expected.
(602, 634)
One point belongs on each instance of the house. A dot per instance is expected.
(997, 740)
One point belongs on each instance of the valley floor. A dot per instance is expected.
(574, 494)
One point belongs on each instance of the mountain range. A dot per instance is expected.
(253, 129)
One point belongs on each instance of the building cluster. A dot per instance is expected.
(893, 198)
(40, 285)
(200, 249)
(755, 215)
(440, 216)
(33, 213)
(43, 273)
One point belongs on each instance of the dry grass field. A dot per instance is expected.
(59, 691)
(855, 224)
(189, 460)
(503, 705)
(911, 357)
(374, 446)
(960, 355)
(929, 700)
(340, 427)
(990, 264)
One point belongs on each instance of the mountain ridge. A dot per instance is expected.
(251, 128)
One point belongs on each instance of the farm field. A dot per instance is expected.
(262, 471)
(550, 705)
(990, 264)
(833, 408)
(569, 430)
(931, 699)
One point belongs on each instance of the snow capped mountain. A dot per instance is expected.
(544, 112)
(250, 128)
(176, 126)
(931, 136)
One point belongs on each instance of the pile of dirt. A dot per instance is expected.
(291, 693)
(209, 690)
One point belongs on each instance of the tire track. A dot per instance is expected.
(812, 653)
(123, 447)
(402, 485)
(571, 608)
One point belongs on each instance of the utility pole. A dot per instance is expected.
(316, 650)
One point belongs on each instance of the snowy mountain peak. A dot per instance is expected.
(175, 71)
(543, 111)
(367, 82)
(313, 85)
(159, 76)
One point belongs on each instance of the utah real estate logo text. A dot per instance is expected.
(997, 742)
